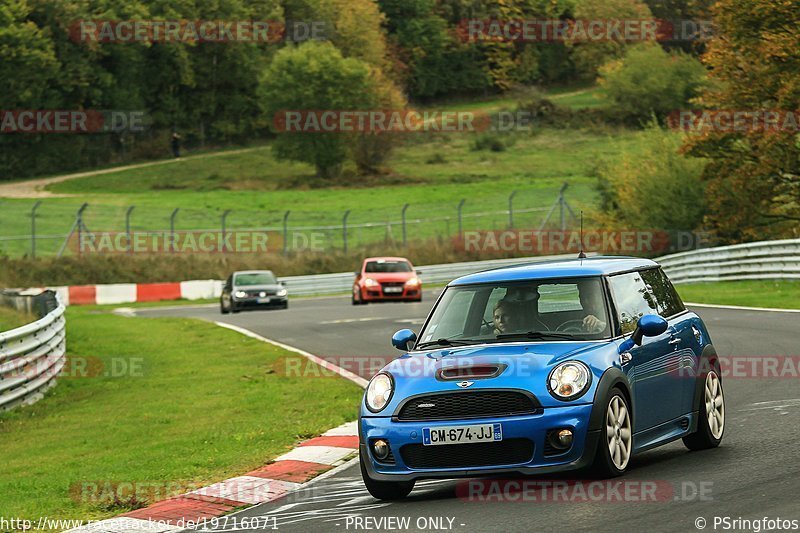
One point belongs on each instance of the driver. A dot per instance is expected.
(592, 304)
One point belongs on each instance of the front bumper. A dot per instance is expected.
(254, 303)
(533, 427)
(377, 294)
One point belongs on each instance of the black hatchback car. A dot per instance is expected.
(253, 289)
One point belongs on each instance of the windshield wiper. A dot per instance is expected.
(446, 342)
(536, 335)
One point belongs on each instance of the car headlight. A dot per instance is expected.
(282, 292)
(413, 282)
(569, 380)
(369, 282)
(379, 391)
(240, 294)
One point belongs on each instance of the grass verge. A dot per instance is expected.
(780, 294)
(194, 404)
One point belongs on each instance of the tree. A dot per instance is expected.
(590, 56)
(653, 186)
(650, 81)
(754, 175)
(311, 77)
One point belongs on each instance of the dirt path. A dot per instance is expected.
(35, 188)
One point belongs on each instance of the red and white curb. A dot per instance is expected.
(288, 473)
(126, 293)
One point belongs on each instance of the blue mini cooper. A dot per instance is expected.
(540, 368)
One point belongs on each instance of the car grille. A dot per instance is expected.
(507, 452)
(267, 292)
(473, 404)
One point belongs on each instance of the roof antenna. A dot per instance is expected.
(581, 255)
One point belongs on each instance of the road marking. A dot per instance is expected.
(350, 320)
(743, 308)
(778, 405)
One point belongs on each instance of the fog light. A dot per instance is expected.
(565, 438)
(380, 448)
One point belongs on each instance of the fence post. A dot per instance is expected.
(460, 227)
(511, 210)
(344, 229)
(403, 217)
(286, 232)
(128, 228)
(33, 228)
(172, 229)
(224, 216)
(79, 222)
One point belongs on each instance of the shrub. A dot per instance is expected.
(654, 187)
(649, 81)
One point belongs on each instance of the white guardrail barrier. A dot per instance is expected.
(430, 274)
(755, 260)
(31, 356)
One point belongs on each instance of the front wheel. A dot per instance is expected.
(616, 440)
(222, 308)
(384, 490)
(711, 423)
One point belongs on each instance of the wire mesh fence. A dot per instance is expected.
(42, 228)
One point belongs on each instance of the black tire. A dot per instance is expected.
(285, 306)
(385, 490)
(604, 466)
(703, 438)
(222, 309)
(358, 301)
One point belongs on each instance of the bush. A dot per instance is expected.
(649, 81)
(654, 188)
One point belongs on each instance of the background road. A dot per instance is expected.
(754, 474)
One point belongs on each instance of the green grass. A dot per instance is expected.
(431, 174)
(11, 318)
(203, 404)
(757, 293)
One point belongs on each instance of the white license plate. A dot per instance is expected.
(392, 289)
(462, 434)
(263, 300)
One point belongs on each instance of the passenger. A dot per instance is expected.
(592, 304)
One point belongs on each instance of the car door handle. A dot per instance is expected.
(674, 341)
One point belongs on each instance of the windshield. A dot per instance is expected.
(387, 266)
(255, 278)
(542, 310)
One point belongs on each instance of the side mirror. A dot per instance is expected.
(404, 339)
(282, 283)
(647, 326)
(357, 273)
(419, 272)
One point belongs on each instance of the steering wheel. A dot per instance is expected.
(571, 326)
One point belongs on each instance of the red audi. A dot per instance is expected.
(383, 279)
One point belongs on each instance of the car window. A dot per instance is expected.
(666, 297)
(382, 266)
(632, 299)
(559, 297)
(493, 312)
(255, 278)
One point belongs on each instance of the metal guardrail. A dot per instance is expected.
(431, 274)
(31, 356)
(755, 260)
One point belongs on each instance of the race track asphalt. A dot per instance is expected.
(753, 475)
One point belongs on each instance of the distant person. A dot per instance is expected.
(175, 142)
